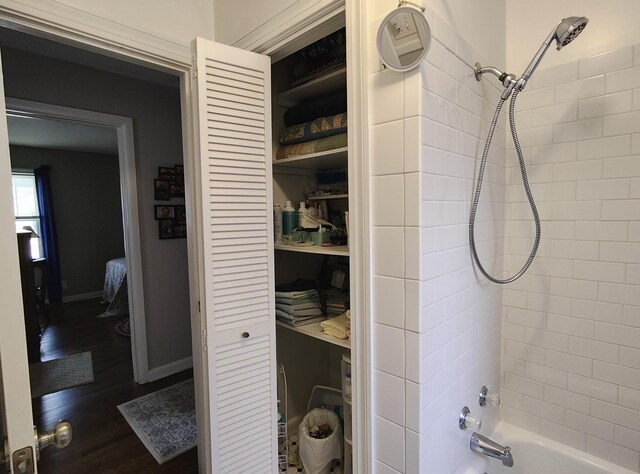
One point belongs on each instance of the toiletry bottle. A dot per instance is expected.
(277, 223)
(302, 211)
(289, 219)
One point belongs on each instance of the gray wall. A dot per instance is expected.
(86, 202)
(155, 111)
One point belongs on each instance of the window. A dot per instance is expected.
(25, 208)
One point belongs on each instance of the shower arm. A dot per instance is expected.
(508, 80)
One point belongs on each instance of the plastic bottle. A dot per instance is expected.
(289, 219)
(277, 223)
(302, 211)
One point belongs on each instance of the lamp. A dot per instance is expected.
(30, 229)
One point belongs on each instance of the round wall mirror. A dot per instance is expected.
(403, 39)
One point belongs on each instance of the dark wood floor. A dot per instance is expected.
(103, 442)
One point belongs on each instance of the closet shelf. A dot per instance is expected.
(341, 250)
(315, 330)
(322, 161)
(328, 196)
(322, 86)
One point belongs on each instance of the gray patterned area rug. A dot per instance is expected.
(165, 421)
(59, 374)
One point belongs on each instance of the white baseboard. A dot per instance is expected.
(170, 369)
(80, 297)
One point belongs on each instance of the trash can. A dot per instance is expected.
(317, 454)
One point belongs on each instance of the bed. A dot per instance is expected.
(115, 288)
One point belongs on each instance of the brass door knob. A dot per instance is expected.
(60, 437)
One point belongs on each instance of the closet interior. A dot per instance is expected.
(311, 251)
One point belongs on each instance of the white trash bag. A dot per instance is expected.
(317, 454)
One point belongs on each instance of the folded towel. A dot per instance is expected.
(312, 130)
(309, 313)
(299, 301)
(335, 333)
(311, 110)
(293, 308)
(312, 146)
(301, 321)
(299, 313)
(336, 327)
(296, 294)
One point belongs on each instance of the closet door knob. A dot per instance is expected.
(245, 335)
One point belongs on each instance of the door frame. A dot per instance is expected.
(129, 202)
(81, 30)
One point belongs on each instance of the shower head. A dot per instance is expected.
(564, 33)
(568, 29)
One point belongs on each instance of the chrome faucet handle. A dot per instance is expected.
(466, 419)
(485, 396)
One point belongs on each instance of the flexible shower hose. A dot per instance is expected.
(527, 189)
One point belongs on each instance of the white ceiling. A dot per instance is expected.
(40, 133)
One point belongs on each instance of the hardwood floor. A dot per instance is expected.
(103, 442)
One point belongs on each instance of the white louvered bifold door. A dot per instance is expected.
(232, 90)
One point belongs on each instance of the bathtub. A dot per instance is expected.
(534, 454)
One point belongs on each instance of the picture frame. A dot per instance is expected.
(179, 231)
(161, 190)
(177, 189)
(166, 229)
(180, 214)
(167, 172)
(180, 176)
(164, 212)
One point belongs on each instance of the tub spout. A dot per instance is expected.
(483, 445)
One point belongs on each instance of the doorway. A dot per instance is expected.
(162, 346)
(89, 132)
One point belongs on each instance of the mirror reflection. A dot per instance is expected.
(403, 39)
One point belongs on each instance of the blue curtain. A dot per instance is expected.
(49, 234)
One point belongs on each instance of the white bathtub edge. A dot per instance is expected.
(507, 433)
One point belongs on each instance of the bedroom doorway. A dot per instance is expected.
(85, 326)
(126, 289)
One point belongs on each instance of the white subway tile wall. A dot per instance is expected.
(571, 329)
(436, 322)
(460, 317)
